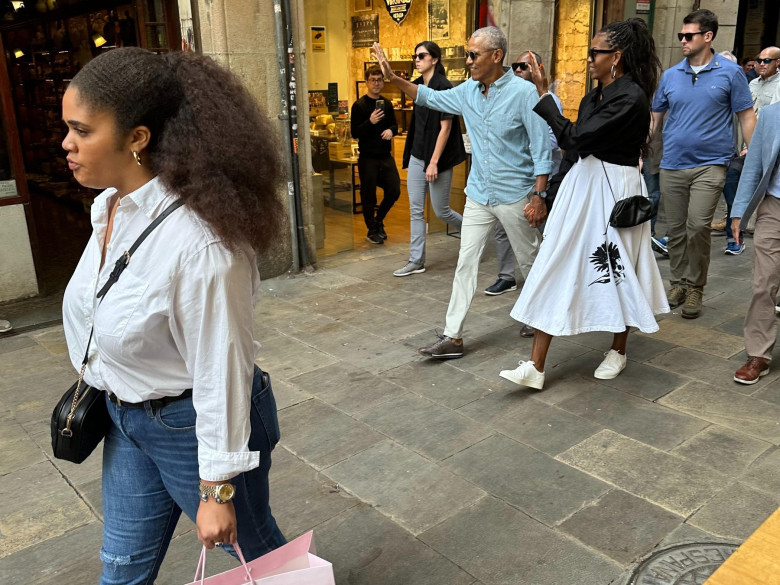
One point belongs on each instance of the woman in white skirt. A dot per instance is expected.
(589, 276)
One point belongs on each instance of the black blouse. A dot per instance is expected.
(612, 123)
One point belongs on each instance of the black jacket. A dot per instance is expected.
(454, 152)
(369, 136)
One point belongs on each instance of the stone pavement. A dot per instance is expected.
(419, 472)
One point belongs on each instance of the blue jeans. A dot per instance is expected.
(653, 182)
(150, 475)
(729, 192)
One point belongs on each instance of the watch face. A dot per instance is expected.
(225, 491)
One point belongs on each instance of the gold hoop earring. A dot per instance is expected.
(612, 70)
(137, 156)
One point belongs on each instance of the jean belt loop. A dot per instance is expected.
(149, 408)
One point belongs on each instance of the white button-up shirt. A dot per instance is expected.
(763, 91)
(180, 316)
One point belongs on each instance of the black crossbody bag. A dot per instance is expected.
(80, 420)
(631, 211)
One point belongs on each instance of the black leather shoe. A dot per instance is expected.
(500, 287)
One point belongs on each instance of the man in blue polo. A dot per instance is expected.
(701, 93)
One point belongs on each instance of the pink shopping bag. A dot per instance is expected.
(295, 563)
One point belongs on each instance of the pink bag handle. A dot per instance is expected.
(201, 569)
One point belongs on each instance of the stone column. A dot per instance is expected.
(528, 24)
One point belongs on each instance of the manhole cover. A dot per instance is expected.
(682, 564)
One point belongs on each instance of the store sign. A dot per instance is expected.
(642, 6)
(398, 9)
(8, 189)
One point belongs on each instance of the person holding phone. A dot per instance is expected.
(434, 145)
(373, 124)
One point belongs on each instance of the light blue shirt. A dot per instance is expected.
(774, 183)
(509, 141)
(557, 155)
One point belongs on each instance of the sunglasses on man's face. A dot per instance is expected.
(521, 65)
(474, 54)
(765, 61)
(687, 36)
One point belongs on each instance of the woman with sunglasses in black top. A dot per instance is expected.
(434, 145)
(589, 276)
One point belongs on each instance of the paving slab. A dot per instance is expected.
(417, 306)
(287, 394)
(726, 450)
(733, 410)
(413, 491)
(17, 449)
(347, 387)
(70, 557)
(736, 512)
(622, 526)
(48, 509)
(440, 381)
(16, 342)
(682, 487)
(284, 357)
(502, 546)
(300, 496)
(645, 381)
(699, 338)
(641, 346)
(386, 324)
(764, 473)
(546, 428)
(527, 479)
(322, 435)
(367, 548)
(423, 426)
(634, 417)
(687, 533)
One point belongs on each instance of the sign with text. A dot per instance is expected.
(318, 39)
(398, 9)
(642, 6)
(365, 30)
(8, 189)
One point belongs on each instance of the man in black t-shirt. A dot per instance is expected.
(373, 124)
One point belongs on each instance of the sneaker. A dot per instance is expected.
(692, 307)
(500, 287)
(777, 309)
(374, 238)
(525, 374)
(380, 230)
(613, 364)
(753, 369)
(659, 245)
(526, 330)
(5, 326)
(676, 295)
(718, 226)
(444, 349)
(734, 249)
(410, 268)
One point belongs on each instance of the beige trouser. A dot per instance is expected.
(760, 321)
(478, 222)
(690, 197)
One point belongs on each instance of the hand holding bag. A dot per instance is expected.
(631, 211)
(80, 420)
(295, 563)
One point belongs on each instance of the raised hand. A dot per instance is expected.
(379, 55)
(538, 77)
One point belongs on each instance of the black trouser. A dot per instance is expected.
(378, 172)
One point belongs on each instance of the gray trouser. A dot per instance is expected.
(760, 321)
(504, 255)
(417, 186)
(690, 197)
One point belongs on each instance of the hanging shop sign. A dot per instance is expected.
(398, 9)
(642, 6)
(365, 30)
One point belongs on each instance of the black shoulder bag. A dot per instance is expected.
(631, 211)
(80, 420)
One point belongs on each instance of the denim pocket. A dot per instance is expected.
(264, 413)
(179, 416)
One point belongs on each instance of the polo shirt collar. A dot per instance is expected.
(769, 79)
(713, 64)
(501, 81)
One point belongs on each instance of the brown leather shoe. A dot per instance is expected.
(753, 369)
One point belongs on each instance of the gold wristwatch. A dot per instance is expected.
(222, 493)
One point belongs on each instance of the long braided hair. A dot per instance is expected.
(633, 39)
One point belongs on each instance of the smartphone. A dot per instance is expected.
(380, 105)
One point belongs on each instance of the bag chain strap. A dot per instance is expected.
(119, 267)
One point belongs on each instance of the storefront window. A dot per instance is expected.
(7, 183)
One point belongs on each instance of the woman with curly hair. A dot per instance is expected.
(193, 420)
(589, 276)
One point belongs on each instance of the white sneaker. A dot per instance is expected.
(525, 374)
(612, 365)
(5, 326)
(410, 268)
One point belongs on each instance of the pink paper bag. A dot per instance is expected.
(295, 563)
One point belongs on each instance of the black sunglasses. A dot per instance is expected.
(521, 65)
(474, 54)
(593, 52)
(688, 36)
(420, 56)
(765, 61)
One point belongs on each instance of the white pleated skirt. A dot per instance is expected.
(583, 280)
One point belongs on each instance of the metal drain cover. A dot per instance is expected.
(682, 564)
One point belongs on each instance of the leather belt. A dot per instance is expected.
(155, 403)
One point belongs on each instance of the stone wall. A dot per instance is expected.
(572, 39)
(17, 272)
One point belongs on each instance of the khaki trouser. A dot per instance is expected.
(690, 197)
(478, 222)
(760, 321)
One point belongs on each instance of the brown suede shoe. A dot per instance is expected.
(753, 369)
